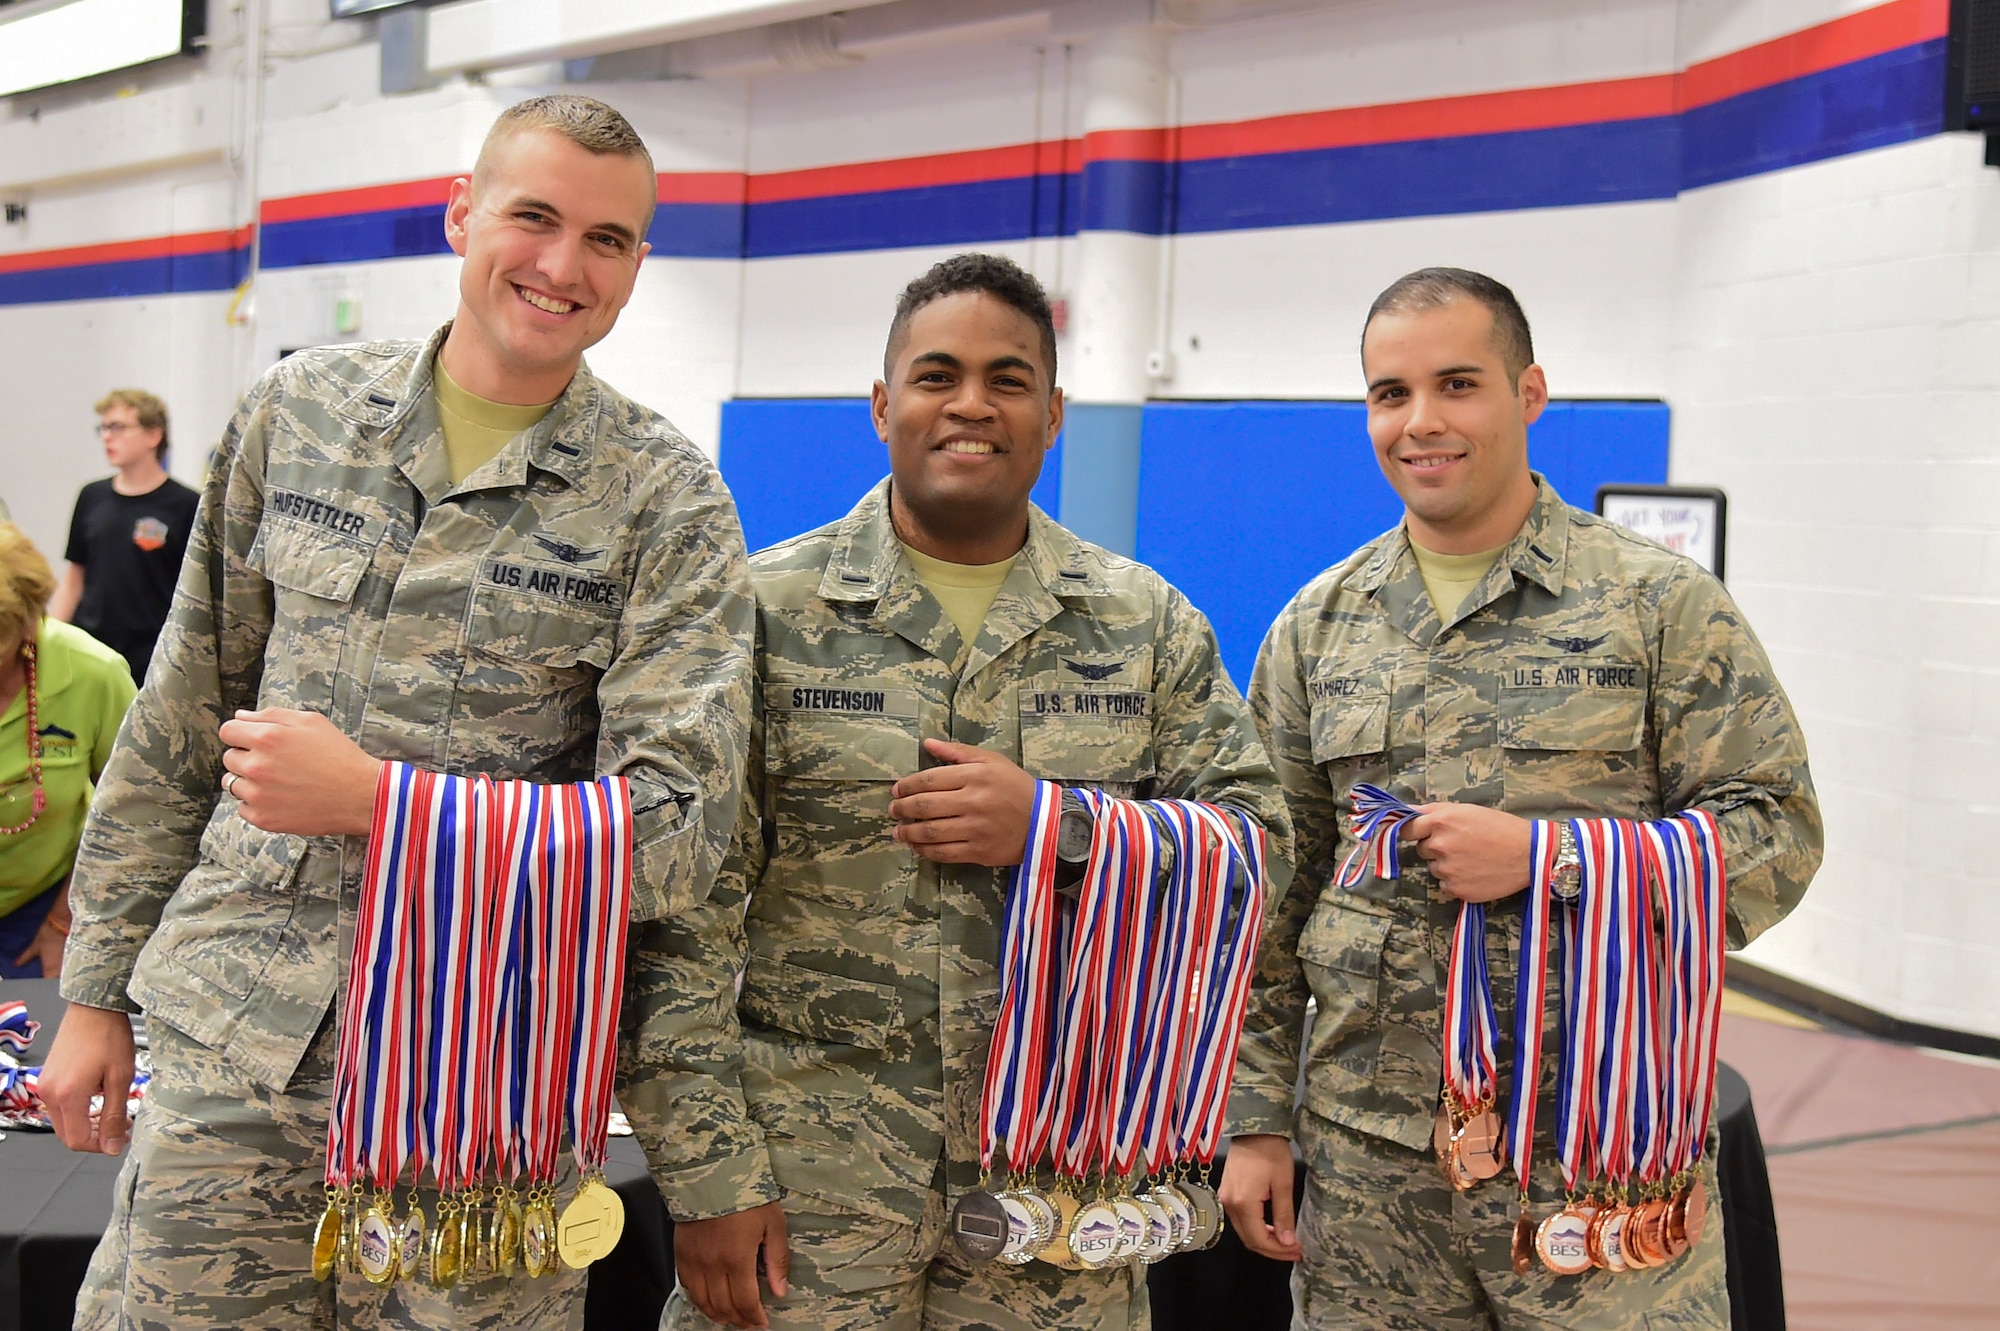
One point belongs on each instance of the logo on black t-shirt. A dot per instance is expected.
(149, 533)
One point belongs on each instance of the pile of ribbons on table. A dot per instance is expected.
(20, 1087)
(1120, 1010)
(479, 1023)
(1639, 957)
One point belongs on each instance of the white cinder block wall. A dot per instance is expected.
(1827, 335)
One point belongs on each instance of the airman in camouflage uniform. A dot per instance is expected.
(847, 1077)
(1589, 674)
(577, 605)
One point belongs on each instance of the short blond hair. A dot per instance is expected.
(152, 412)
(588, 123)
(26, 583)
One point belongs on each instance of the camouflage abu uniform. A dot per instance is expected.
(869, 975)
(1590, 674)
(578, 605)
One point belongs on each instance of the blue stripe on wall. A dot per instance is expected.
(1889, 98)
(1612, 162)
(799, 463)
(1243, 503)
(395, 233)
(215, 270)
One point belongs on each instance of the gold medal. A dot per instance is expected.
(411, 1259)
(590, 1225)
(377, 1245)
(1056, 1252)
(538, 1236)
(326, 1239)
(447, 1250)
(507, 1237)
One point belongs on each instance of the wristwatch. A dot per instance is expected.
(1076, 831)
(1566, 882)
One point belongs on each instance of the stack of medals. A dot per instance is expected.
(1119, 1016)
(1639, 1024)
(480, 1021)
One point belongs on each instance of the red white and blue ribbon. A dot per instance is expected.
(1136, 988)
(17, 1028)
(484, 982)
(1015, 1100)
(1531, 986)
(1470, 1077)
(1377, 815)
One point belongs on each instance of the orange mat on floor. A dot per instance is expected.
(1885, 1172)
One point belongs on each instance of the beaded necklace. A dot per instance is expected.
(41, 800)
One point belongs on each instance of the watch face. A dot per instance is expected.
(1073, 841)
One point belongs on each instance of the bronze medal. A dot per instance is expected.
(1479, 1148)
(1056, 1252)
(1649, 1233)
(1695, 1214)
(1607, 1233)
(1522, 1251)
(326, 1241)
(979, 1225)
(1562, 1243)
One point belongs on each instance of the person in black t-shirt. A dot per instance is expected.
(128, 534)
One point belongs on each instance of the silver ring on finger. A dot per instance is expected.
(229, 784)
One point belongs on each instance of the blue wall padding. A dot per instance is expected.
(1240, 503)
(1243, 503)
(799, 463)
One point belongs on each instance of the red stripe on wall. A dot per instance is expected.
(1442, 117)
(1854, 37)
(371, 199)
(125, 251)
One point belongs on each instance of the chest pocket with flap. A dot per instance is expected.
(1097, 737)
(832, 751)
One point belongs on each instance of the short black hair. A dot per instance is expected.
(1431, 288)
(999, 277)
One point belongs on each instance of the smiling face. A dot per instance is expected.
(1450, 430)
(969, 415)
(552, 235)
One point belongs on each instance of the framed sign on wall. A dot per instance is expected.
(1691, 520)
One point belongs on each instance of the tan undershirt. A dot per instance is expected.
(1450, 578)
(476, 429)
(966, 591)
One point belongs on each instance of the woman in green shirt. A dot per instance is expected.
(62, 695)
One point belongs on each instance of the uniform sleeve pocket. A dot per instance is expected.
(300, 560)
(816, 1005)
